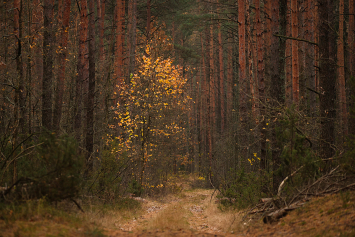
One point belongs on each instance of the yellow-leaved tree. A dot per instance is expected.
(151, 115)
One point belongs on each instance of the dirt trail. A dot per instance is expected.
(192, 212)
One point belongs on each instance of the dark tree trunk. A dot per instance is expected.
(327, 76)
(91, 91)
(61, 73)
(47, 65)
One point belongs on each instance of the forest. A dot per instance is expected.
(105, 98)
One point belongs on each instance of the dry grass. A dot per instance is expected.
(38, 218)
(225, 221)
(173, 218)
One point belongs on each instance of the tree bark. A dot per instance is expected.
(102, 29)
(82, 67)
(327, 76)
(62, 63)
(261, 82)
(221, 78)
(243, 83)
(351, 46)
(341, 74)
(91, 91)
(295, 59)
(47, 85)
(119, 56)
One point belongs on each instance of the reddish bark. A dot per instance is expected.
(288, 81)
(119, 56)
(351, 46)
(102, 29)
(351, 36)
(316, 49)
(131, 36)
(295, 60)
(63, 42)
(341, 71)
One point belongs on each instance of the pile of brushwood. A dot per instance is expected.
(337, 179)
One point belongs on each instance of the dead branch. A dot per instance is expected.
(298, 39)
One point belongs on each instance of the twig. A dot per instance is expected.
(298, 39)
(283, 181)
(77, 204)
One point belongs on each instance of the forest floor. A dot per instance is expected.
(188, 212)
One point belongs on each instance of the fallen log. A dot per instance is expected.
(276, 215)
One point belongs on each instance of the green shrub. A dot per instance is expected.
(53, 170)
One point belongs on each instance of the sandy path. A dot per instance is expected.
(189, 213)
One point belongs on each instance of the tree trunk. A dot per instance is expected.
(288, 78)
(83, 64)
(310, 50)
(47, 85)
(131, 41)
(119, 57)
(261, 82)
(243, 83)
(327, 76)
(351, 46)
(295, 60)
(91, 91)
(229, 104)
(62, 63)
(148, 20)
(102, 30)
(341, 74)
(221, 77)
